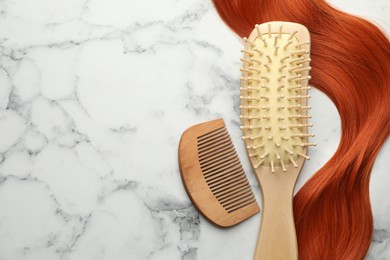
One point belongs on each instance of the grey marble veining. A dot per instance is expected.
(94, 96)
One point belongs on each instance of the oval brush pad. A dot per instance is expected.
(274, 93)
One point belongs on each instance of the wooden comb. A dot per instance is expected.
(213, 176)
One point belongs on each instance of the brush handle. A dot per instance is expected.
(277, 237)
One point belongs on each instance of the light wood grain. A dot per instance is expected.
(213, 176)
(277, 237)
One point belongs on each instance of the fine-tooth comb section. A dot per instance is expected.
(222, 170)
(213, 176)
(275, 76)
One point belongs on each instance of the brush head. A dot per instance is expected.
(274, 94)
(213, 176)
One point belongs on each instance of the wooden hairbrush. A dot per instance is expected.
(213, 176)
(274, 94)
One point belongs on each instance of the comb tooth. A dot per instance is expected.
(222, 183)
(201, 137)
(275, 41)
(234, 206)
(221, 165)
(213, 136)
(233, 201)
(242, 204)
(228, 186)
(215, 148)
(272, 166)
(268, 58)
(242, 190)
(234, 168)
(225, 168)
(225, 177)
(215, 140)
(222, 147)
(222, 193)
(236, 191)
(219, 158)
(221, 173)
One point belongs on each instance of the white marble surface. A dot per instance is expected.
(94, 96)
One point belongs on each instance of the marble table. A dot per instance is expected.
(94, 96)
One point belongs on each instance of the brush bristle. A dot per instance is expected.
(274, 93)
